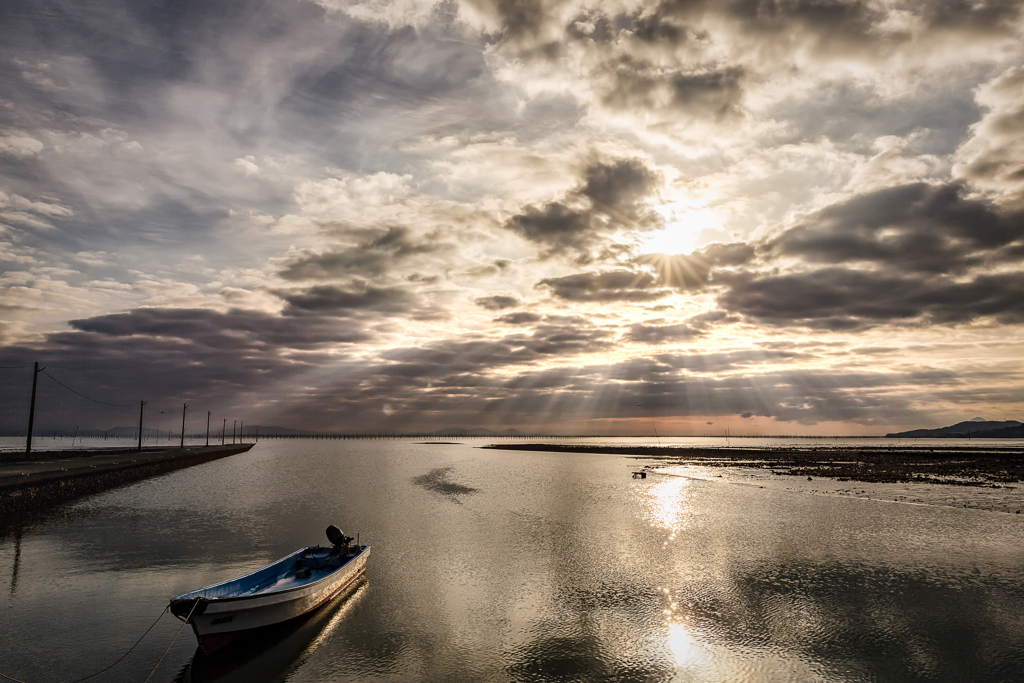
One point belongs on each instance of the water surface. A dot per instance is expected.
(517, 566)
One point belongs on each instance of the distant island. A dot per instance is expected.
(971, 429)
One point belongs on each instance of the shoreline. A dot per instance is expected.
(984, 466)
(978, 479)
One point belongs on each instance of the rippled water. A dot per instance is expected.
(513, 566)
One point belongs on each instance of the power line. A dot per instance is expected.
(88, 398)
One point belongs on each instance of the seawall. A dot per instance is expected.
(56, 476)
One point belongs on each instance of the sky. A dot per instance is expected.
(560, 216)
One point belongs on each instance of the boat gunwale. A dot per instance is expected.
(235, 598)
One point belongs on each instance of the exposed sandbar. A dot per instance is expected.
(989, 465)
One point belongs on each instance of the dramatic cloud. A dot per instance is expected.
(587, 220)
(325, 299)
(993, 157)
(497, 302)
(917, 254)
(808, 215)
(371, 259)
(615, 285)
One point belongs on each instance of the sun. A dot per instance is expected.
(682, 231)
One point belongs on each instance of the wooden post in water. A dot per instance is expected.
(223, 428)
(184, 407)
(207, 428)
(233, 425)
(142, 404)
(241, 429)
(32, 408)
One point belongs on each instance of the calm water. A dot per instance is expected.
(505, 566)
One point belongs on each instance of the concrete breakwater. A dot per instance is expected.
(56, 476)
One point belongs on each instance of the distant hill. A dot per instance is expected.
(974, 429)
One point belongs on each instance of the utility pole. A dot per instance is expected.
(184, 407)
(241, 430)
(233, 425)
(207, 428)
(142, 404)
(223, 428)
(32, 408)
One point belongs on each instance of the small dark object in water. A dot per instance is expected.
(640, 475)
(808, 479)
(337, 537)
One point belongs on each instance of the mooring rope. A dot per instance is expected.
(119, 659)
(194, 605)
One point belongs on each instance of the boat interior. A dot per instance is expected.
(302, 567)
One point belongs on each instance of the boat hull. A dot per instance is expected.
(219, 622)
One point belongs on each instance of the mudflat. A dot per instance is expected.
(989, 465)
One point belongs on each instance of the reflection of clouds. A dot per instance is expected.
(668, 506)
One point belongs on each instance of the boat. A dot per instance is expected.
(287, 589)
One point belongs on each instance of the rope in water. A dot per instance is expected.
(194, 605)
(119, 659)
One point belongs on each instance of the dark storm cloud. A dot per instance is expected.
(613, 285)
(660, 334)
(919, 227)
(555, 225)
(847, 299)
(370, 259)
(718, 92)
(732, 254)
(519, 318)
(986, 18)
(620, 184)
(846, 27)
(497, 302)
(715, 93)
(653, 28)
(913, 254)
(610, 196)
(594, 25)
(825, 19)
(341, 301)
(520, 17)
(221, 330)
(211, 359)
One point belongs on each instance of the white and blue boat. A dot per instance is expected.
(287, 589)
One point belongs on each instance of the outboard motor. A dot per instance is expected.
(338, 539)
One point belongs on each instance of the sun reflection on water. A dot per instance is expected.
(668, 505)
(684, 649)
